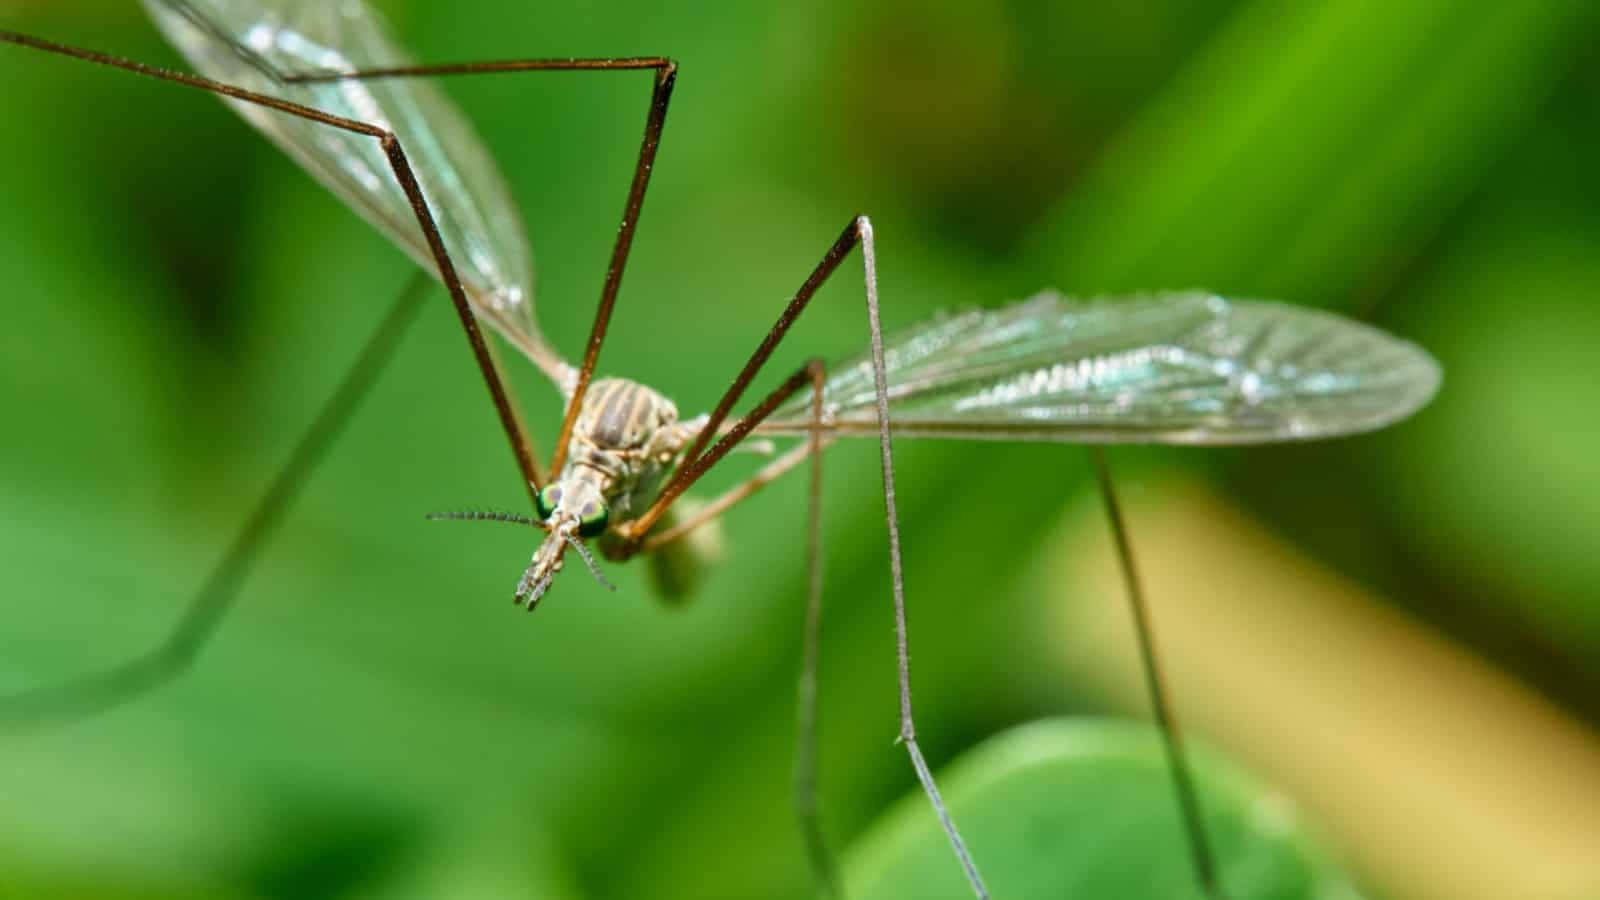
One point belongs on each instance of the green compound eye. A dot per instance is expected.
(546, 501)
(592, 521)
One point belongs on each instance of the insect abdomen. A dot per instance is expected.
(676, 569)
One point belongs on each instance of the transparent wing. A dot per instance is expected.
(251, 44)
(1181, 368)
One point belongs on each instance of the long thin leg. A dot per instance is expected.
(661, 95)
(697, 460)
(720, 504)
(1205, 867)
(519, 424)
(407, 179)
(101, 690)
(1188, 799)
(908, 726)
(823, 867)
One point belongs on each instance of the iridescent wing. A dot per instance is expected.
(1180, 368)
(252, 44)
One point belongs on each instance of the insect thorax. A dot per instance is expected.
(622, 415)
(626, 436)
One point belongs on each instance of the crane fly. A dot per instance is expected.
(329, 86)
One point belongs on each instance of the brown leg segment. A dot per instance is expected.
(769, 473)
(124, 682)
(661, 95)
(824, 868)
(408, 184)
(697, 460)
(655, 121)
(694, 464)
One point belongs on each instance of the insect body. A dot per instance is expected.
(624, 441)
(326, 82)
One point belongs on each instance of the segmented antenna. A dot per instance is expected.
(487, 516)
(490, 515)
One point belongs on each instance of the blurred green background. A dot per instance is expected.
(1399, 632)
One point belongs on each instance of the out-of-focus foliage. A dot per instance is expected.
(374, 720)
(1084, 809)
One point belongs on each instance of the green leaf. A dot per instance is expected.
(1085, 808)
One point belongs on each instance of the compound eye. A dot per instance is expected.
(548, 498)
(592, 520)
